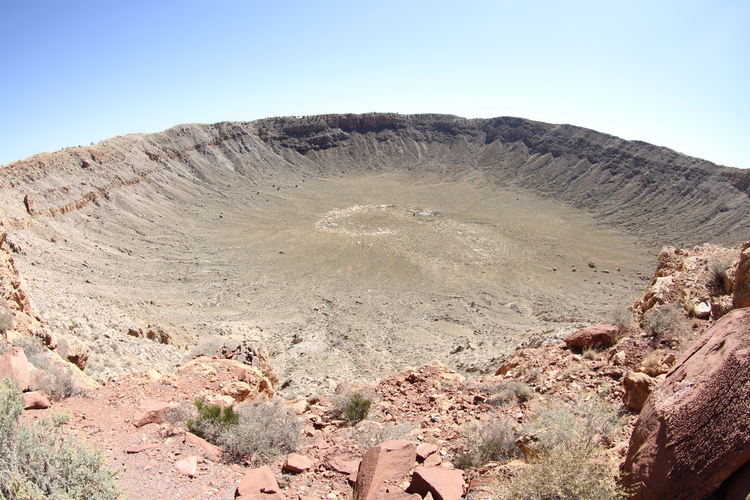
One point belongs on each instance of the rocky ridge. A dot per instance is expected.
(614, 178)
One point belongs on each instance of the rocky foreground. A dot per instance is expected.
(652, 408)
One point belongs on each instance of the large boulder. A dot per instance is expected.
(742, 278)
(692, 433)
(389, 462)
(593, 336)
(73, 350)
(13, 364)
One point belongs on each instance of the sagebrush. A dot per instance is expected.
(664, 321)
(567, 459)
(39, 461)
(491, 441)
(256, 432)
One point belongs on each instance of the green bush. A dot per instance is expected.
(357, 408)
(257, 431)
(212, 421)
(39, 461)
(491, 441)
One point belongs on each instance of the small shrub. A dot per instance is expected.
(568, 460)
(590, 353)
(622, 318)
(56, 381)
(492, 441)
(718, 269)
(257, 431)
(663, 321)
(212, 420)
(369, 436)
(651, 364)
(263, 431)
(39, 461)
(178, 413)
(513, 391)
(357, 408)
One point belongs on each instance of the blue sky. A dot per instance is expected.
(673, 73)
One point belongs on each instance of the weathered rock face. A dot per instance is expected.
(239, 349)
(688, 438)
(742, 278)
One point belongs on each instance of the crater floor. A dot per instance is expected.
(347, 277)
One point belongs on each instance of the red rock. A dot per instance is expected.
(741, 297)
(297, 463)
(399, 495)
(442, 483)
(257, 481)
(211, 451)
(303, 497)
(390, 461)
(688, 438)
(433, 460)
(13, 364)
(339, 463)
(188, 466)
(153, 413)
(141, 447)
(737, 487)
(35, 401)
(638, 387)
(593, 336)
(424, 450)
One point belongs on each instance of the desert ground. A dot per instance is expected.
(343, 278)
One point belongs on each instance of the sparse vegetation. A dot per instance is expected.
(651, 364)
(263, 431)
(256, 432)
(590, 353)
(509, 392)
(368, 437)
(212, 420)
(56, 381)
(39, 461)
(622, 318)
(567, 461)
(491, 441)
(6, 318)
(718, 269)
(664, 321)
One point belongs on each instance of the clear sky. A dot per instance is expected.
(675, 73)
